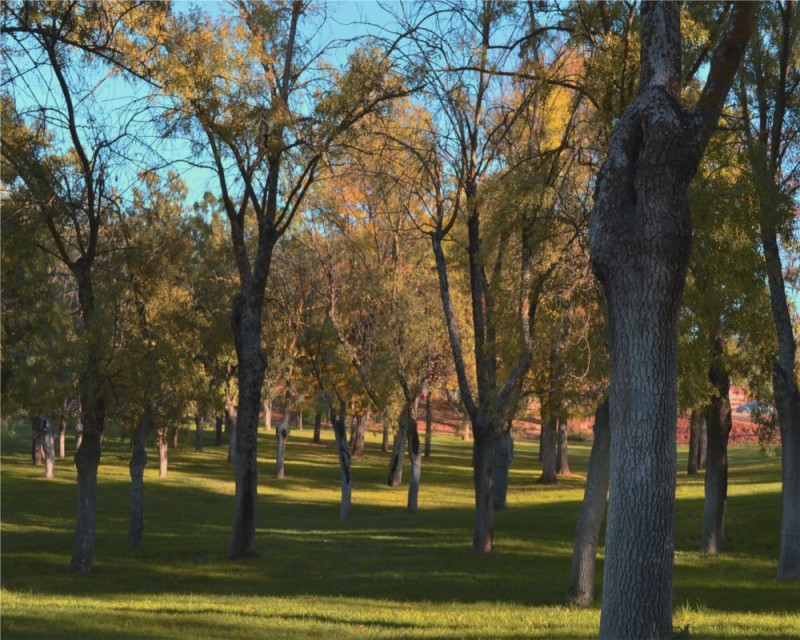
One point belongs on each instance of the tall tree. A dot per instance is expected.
(770, 99)
(67, 159)
(267, 122)
(640, 233)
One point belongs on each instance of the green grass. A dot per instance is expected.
(385, 573)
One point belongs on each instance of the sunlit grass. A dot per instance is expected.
(385, 573)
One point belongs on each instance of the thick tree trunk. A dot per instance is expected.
(198, 433)
(396, 461)
(137, 466)
(163, 452)
(590, 518)
(317, 427)
(246, 323)
(695, 420)
(87, 459)
(702, 443)
(562, 453)
(360, 423)
(415, 458)
(549, 451)
(282, 435)
(49, 448)
(218, 431)
(340, 432)
(466, 429)
(787, 404)
(503, 457)
(428, 424)
(483, 448)
(719, 427)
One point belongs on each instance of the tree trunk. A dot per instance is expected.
(246, 322)
(353, 426)
(218, 431)
(466, 429)
(78, 434)
(695, 421)
(230, 427)
(198, 433)
(317, 427)
(163, 452)
(503, 457)
(719, 427)
(175, 436)
(37, 424)
(702, 443)
(340, 432)
(415, 458)
(282, 434)
(590, 518)
(562, 454)
(268, 414)
(396, 461)
(62, 430)
(541, 440)
(787, 400)
(428, 424)
(137, 466)
(300, 420)
(360, 424)
(385, 441)
(49, 448)
(549, 450)
(483, 447)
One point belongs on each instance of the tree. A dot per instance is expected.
(640, 232)
(769, 97)
(66, 159)
(267, 123)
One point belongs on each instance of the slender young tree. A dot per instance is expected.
(770, 99)
(640, 233)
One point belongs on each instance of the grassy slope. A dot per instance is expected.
(385, 573)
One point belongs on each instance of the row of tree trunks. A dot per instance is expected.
(590, 518)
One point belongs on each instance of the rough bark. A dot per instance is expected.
(702, 443)
(590, 518)
(199, 422)
(503, 457)
(640, 233)
(482, 474)
(340, 433)
(562, 453)
(137, 465)
(252, 362)
(428, 424)
(49, 448)
(282, 435)
(549, 450)
(719, 425)
(317, 427)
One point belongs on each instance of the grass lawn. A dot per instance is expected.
(385, 573)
